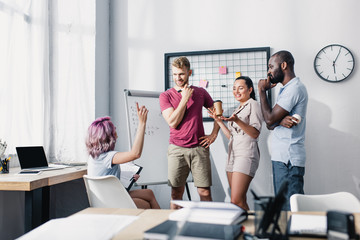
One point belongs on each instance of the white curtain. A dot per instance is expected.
(47, 85)
(47, 75)
(73, 77)
(24, 78)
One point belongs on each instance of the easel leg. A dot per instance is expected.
(188, 191)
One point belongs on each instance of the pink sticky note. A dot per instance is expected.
(223, 70)
(203, 83)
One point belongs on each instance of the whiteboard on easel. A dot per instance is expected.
(156, 142)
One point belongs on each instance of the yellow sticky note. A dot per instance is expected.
(237, 74)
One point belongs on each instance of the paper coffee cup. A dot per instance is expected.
(218, 107)
(298, 117)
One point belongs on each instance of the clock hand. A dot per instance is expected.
(334, 67)
(337, 56)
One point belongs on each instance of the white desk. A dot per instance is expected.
(152, 217)
(37, 190)
(148, 219)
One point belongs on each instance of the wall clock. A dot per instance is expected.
(334, 63)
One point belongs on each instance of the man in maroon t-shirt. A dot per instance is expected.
(181, 107)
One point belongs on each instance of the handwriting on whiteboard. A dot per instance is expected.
(152, 124)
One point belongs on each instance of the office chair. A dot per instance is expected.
(107, 192)
(340, 201)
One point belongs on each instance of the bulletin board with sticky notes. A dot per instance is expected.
(216, 71)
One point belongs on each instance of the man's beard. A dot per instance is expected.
(277, 77)
(181, 84)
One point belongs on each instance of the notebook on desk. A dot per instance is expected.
(307, 225)
(34, 158)
(192, 230)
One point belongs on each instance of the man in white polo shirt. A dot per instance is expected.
(287, 146)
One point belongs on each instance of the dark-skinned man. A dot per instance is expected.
(288, 137)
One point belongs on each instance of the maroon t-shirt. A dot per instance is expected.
(191, 128)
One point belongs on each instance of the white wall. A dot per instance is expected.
(141, 31)
(102, 59)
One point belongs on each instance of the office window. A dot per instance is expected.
(47, 75)
(72, 72)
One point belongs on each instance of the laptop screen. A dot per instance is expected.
(31, 157)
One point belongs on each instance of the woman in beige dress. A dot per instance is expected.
(242, 130)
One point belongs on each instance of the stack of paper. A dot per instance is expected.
(307, 225)
(81, 226)
(208, 212)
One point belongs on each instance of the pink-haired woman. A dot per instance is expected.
(100, 144)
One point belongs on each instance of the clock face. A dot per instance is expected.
(334, 63)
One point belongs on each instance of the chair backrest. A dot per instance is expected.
(340, 201)
(107, 192)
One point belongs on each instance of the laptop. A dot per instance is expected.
(34, 158)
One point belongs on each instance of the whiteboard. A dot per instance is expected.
(154, 156)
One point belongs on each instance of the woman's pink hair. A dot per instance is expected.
(101, 137)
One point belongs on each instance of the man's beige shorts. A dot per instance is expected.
(183, 160)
